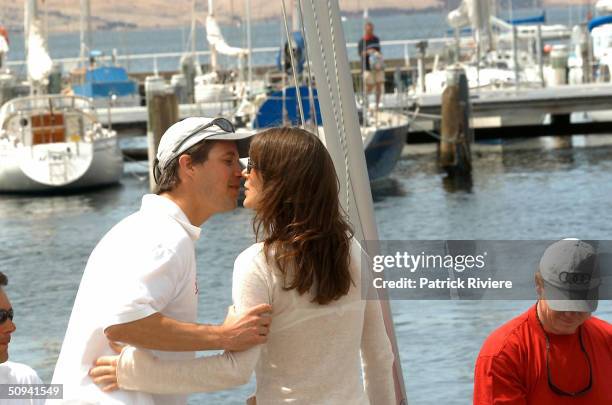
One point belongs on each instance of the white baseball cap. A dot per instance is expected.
(190, 131)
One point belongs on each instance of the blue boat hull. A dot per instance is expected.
(384, 150)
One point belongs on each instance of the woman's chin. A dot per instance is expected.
(247, 204)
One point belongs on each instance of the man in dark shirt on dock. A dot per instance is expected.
(371, 62)
(556, 353)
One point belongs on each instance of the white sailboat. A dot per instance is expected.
(53, 142)
(209, 87)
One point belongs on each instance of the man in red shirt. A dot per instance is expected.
(556, 353)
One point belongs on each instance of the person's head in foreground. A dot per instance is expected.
(555, 352)
(197, 166)
(368, 29)
(7, 327)
(567, 284)
(292, 185)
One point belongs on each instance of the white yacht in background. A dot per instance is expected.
(55, 143)
(52, 142)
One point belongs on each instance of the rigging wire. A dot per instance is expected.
(342, 131)
(284, 76)
(298, 95)
(327, 81)
(311, 101)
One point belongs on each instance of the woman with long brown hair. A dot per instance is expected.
(306, 264)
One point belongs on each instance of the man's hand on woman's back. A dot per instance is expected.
(241, 331)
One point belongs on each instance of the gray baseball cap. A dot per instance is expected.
(570, 269)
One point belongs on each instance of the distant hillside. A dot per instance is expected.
(63, 15)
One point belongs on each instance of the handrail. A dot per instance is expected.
(20, 105)
(269, 49)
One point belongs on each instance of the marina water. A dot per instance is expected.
(534, 194)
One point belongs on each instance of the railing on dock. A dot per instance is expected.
(149, 62)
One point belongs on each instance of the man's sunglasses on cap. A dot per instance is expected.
(223, 123)
(6, 314)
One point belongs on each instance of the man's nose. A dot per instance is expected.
(8, 326)
(573, 314)
(238, 169)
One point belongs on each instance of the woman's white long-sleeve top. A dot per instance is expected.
(337, 353)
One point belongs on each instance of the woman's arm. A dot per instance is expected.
(140, 371)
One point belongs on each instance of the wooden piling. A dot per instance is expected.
(163, 111)
(561, 121)
(456, 134)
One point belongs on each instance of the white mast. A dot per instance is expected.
(39, 63)
(85, 30)
(193, 29)
(249, 45)
(213, 50)
(30, 14)
(327, 44)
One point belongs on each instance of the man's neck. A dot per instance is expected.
(192, 211)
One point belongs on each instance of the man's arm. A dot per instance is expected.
(498, 380)
(158, 332)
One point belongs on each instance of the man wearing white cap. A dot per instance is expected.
(140, 286)
(556, 352)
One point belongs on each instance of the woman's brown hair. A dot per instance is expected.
(299, 215)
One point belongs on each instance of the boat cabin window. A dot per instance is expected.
(48, 128)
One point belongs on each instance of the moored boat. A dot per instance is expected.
(383, 137)
(55, 143)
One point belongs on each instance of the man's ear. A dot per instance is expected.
(185, 163)
(539, 284)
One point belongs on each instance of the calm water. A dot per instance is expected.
(541, 194)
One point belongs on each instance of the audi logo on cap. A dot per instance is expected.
(575, 278)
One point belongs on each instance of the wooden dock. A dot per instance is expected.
(521, 113)
(495, 113)
(551, 100)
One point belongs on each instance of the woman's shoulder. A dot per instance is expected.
(253, 252)
(253, 255)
